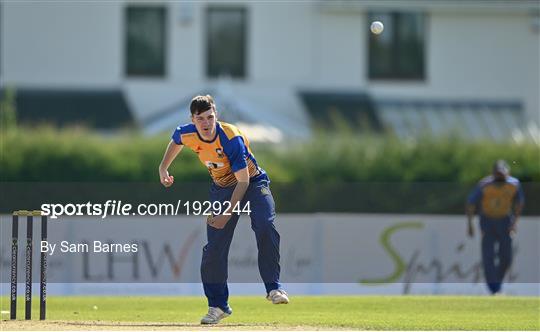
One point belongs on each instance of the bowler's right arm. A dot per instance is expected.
(173, 149)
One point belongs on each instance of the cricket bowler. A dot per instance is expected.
(238, 181)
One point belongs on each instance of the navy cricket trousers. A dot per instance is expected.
(214, 265)
(496, 251)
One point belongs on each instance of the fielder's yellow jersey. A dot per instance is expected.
(497, 199)
(227, 153)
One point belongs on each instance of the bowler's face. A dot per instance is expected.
(206, 123)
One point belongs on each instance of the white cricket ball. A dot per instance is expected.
(95, 307)
(377, 27)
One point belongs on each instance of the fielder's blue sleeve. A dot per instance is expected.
(475, 195)
(176, 136)
(236, 151)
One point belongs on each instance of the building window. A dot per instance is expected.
(145, 40)
(226, 42)
(398, 52)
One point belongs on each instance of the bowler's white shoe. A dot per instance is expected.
(214, 315)
(278, 296)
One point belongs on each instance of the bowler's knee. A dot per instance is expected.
(264, 227)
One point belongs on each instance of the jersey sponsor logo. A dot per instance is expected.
(213, 165)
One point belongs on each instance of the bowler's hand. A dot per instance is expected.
(470, 230)
(166, 179)
(218, 222)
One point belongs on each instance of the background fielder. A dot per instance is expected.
(498, 199)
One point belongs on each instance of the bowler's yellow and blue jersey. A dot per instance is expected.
(227, 153)
(496, 200)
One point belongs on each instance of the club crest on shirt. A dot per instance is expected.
(219, 152)
(265, 191)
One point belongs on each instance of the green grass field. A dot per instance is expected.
(304, 312)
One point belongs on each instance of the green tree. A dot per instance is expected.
(8, 110)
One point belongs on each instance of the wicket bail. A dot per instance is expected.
(28, 263)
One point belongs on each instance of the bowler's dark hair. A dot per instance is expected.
(201, 104)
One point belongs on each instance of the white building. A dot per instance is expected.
(438, 66)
